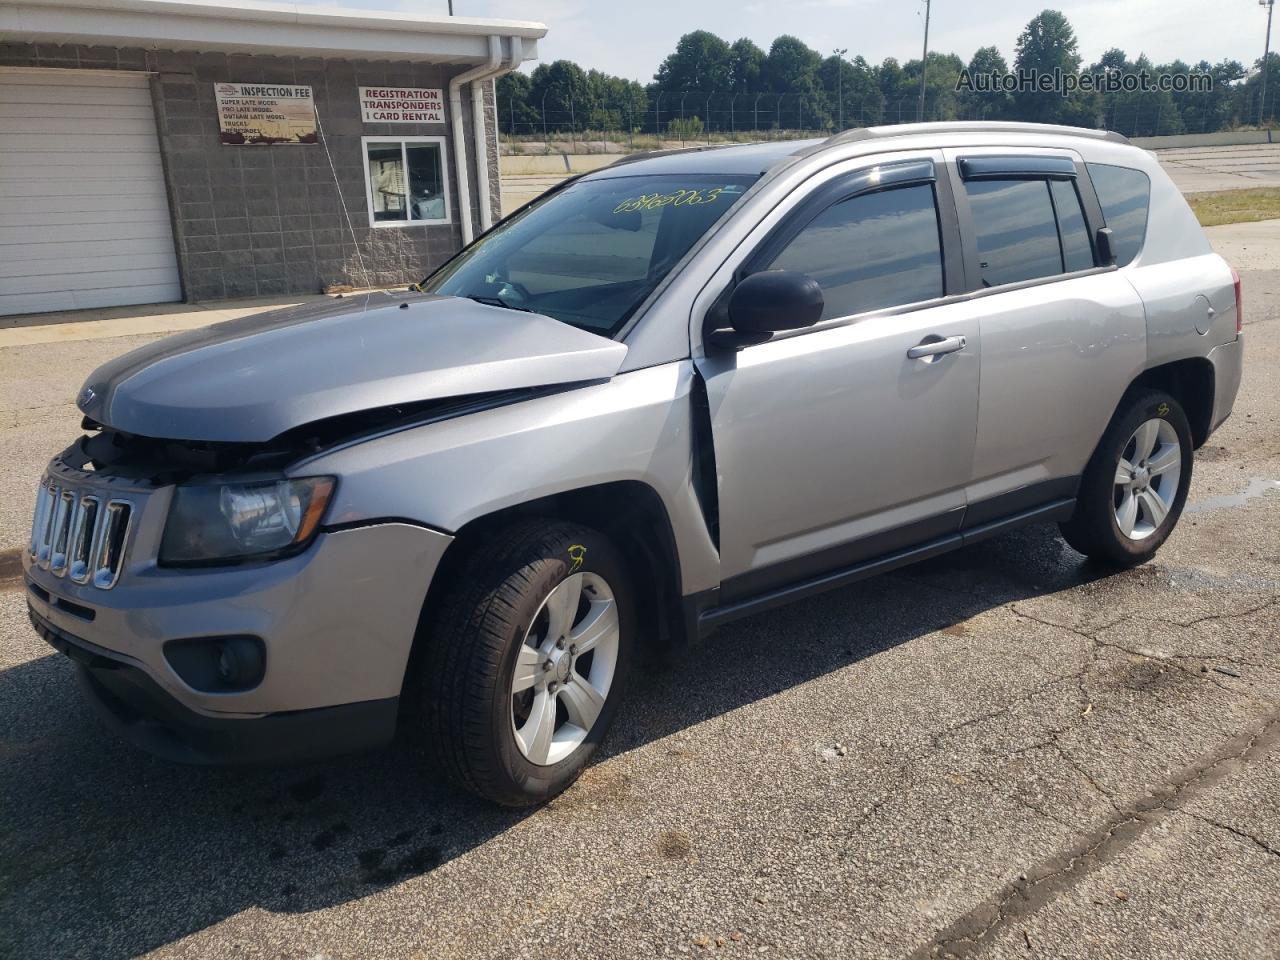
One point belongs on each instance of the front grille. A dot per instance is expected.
(78, 534)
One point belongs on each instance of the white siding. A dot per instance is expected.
(84, 220)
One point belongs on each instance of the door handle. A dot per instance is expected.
(934, 348)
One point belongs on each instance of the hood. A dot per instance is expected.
(251, 379)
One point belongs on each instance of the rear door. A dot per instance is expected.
(1061, 336)
(845, 440)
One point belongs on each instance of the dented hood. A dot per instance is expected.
(254, 378)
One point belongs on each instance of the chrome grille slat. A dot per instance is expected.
(64, 513)
(40, 520)
(83, 539)
(111, 540)
(50, 498)
(74, 535)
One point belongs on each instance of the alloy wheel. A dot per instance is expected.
(565, 668)
(1147, 477)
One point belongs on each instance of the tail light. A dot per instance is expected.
(1235, 279)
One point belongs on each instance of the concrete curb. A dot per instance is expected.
(1224, 139)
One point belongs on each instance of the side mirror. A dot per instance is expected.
(1106, 252)
(765, 303)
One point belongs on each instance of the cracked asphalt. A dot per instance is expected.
(1005, 752)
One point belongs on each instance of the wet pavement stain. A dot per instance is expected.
(1258, 486)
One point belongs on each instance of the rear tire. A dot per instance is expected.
(524, 661)
(1134, 487)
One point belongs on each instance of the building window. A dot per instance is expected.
(406, 181)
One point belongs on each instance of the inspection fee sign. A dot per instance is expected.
(401, 105)
(265, 113)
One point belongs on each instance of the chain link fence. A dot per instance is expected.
(691, 118)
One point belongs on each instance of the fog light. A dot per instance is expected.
(218, 664)
(240, 661)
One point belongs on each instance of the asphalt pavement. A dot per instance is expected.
(1004, 752)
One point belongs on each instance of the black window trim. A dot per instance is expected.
(1057, 220)
(1016, 167)
(876, 179)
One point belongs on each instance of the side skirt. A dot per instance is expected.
(705, 611)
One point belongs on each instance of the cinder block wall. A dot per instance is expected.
(284, 218)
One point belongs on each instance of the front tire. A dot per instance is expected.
(1134, 488)
(524, 661)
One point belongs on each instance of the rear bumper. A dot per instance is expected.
(1228, 365)
(141, 711)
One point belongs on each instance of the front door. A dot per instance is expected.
(854, 437)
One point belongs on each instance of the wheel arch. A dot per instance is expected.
(630, 512)
(1189, 381)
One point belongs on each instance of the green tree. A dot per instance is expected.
(516, 113)
(899, 104)
(985, 105)
(941, 75)
(791, 72)
(1137, 113)
(1213, 109)
(701, 62)
(747, 66)
(1249, 93)
(1048, 43)
(614, 103)
(863, 101)
(561, 88)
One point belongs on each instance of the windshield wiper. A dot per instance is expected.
(497, 302)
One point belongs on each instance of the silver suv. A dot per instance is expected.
(668, 394)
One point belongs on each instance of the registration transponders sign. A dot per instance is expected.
(401, 105)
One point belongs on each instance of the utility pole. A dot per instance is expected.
(1266, 55)
(451, 8)
(924, 60)
(840, 81)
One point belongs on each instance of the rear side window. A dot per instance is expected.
(871, 251)
(1017, 234)
(1125, 195)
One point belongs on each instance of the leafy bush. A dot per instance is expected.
(685, 128)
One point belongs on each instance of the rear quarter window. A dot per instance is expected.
(1125, 195)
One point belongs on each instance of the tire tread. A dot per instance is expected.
(466, 638)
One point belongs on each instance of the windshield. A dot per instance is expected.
(589, 254)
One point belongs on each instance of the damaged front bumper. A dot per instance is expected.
(335, 625)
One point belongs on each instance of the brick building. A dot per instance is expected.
(159, 150)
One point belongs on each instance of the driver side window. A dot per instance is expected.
(871, 251)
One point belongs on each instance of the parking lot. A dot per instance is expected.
(1201, 169)
(1004, 752)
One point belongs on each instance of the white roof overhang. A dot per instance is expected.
(261, 28)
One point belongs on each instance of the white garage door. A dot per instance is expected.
(84, 220)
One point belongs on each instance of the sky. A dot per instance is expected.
(631, 38)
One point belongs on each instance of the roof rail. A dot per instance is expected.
(971, 126)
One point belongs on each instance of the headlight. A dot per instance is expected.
(208, 524)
